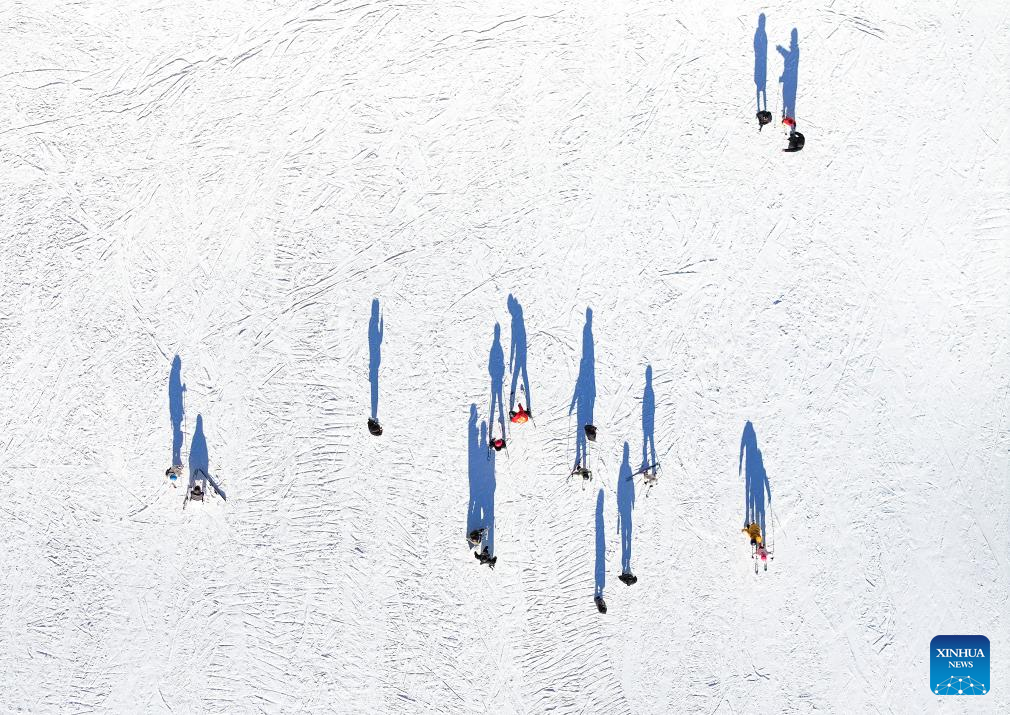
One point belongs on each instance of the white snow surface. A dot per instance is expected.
(234, 182)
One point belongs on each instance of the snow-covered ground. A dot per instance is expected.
(234, 182)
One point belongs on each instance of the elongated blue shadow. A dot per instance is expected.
(375, 332)
(761, 63)
(790, 74)
(517, 354)
(481, 472)
(625, 505)
(756, 486)
(176, 408)
(648, 422)
(584, 397)
(496, 369)
(601, 548)
(199, 460)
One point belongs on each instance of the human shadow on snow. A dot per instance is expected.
(584, 397)
(790, 74)
(756, 486)
(199, 462)
(761, 64)
(481, 466)
(648, 422)
(496, 369)
(601, 548)
(176, 408)
(517, 354)
(375, 333)
(199, 459)
(625, 505)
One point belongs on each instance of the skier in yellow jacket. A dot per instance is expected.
(754, 531)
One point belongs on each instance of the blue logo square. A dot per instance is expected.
(959, 665)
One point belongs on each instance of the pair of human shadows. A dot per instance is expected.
(199, 457)
(625, 478)
(756, 486)
(376, 329)
(517, 354)
(625, 505)
(481, 472)
(584, 396)
(790, 69)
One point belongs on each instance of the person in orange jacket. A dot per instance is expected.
(520, 416)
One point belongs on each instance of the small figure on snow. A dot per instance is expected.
(754, 531)
(519, 416)
(796, 140)
(173, 473)
(485, 558)
(760, 553)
